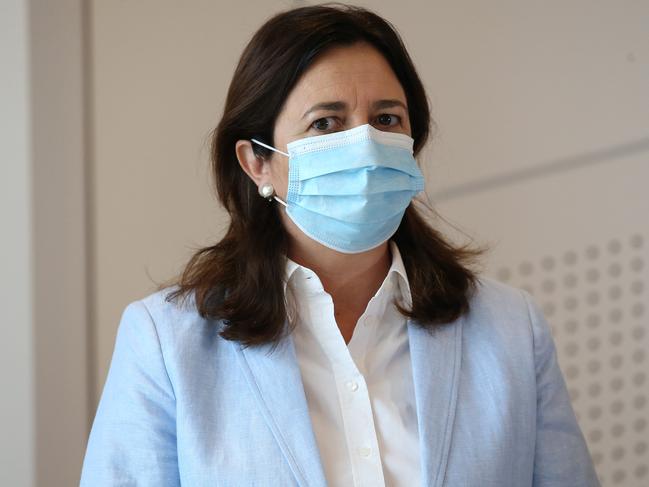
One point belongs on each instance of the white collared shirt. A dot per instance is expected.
(360, 395)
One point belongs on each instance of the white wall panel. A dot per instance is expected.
(17, 445)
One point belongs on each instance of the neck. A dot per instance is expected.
(350, 279)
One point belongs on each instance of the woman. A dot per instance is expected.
(332, 337)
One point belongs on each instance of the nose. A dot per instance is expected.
(357, 118)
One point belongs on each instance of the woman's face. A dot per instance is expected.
(344, 88)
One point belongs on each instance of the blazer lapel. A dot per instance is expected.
(435, 355)
(275, 381)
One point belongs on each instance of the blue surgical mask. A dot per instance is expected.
(349, 190)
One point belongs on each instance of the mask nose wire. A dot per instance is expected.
(277, 198)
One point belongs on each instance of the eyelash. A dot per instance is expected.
(381, 115)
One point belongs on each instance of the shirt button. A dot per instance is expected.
(352, 385)
(365, 451)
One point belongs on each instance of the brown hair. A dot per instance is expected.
(240, 279)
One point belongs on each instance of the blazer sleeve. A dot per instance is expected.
(133, 437)
(561, 455)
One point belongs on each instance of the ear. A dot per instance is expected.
(255, 167)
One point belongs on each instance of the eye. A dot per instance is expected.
(388, 120)
(324, 124)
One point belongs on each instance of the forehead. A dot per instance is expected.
(356, 74)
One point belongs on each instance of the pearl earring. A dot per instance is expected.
(266, 190)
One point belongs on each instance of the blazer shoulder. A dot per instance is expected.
(175, 317)
(160, 303)
(502, 310)
(492, 296)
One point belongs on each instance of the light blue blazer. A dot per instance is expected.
(183, 406)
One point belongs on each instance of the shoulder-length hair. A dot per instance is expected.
(239, 279)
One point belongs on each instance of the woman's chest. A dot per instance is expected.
(248, 422)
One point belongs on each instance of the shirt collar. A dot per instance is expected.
(397, 267)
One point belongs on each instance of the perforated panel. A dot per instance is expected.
(595, 301)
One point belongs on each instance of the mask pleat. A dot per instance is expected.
(345, 237)
(368, 180)
(357, 209)
(316, 164)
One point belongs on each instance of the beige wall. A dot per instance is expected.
(161, 71)
(59, 252)
(541, 151)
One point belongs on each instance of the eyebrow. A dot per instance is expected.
(338, 106)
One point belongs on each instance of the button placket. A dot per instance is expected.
(352, 385)
(353, 395)
(365, 451)
(353, 371)
(358, 421)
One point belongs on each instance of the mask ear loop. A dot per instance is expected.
(268, 147)
(277, 198)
